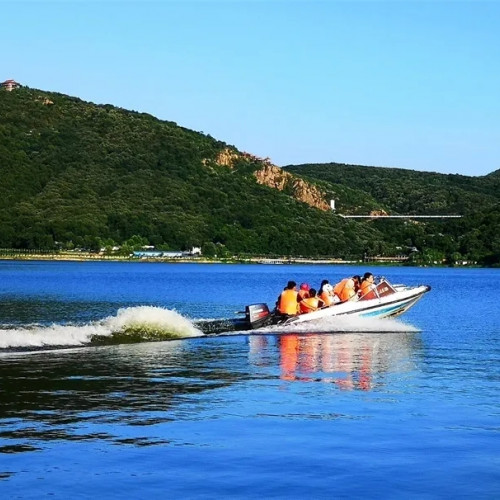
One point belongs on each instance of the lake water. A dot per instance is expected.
(405, 408)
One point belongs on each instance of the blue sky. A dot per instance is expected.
(410, 84)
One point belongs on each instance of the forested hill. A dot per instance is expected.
(401, 191)
(397, 191)
(76, 174)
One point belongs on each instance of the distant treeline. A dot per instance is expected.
(78, 175)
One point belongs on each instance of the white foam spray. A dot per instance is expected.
(345, 324)
(144, 318)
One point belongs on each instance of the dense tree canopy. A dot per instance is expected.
(474, 237)
(75, 174)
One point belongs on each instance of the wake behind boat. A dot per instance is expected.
(383, 301)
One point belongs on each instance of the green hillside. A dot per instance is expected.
(476, 236)
(406, 191)
(85, 175)
(75, 174)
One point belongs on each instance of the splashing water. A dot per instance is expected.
(133, 324)
(345, 324)
(148, 323)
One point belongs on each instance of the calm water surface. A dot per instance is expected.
(404, 408)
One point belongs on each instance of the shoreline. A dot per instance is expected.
(88, 257)
(174, 260)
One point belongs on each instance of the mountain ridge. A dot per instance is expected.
(80, 174)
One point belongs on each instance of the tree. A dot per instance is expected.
(209, 249)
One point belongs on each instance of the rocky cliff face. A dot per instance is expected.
(226, 158)
(378, 213)
(275, 177)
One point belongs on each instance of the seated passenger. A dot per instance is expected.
(303, 292)
(357, 283)
(287, 302)
(326, 295)
(323, 283)
(367, 288)
(347, 289)
(311, 303)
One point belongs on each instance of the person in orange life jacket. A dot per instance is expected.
(347, 289)
(287, 301)
(321, 293)
(353, 287)
(357, 283)
(310, 304)
(367, 287)
(326, 295)
(323, 283)
(303, 292)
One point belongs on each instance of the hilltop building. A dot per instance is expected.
(10, 85)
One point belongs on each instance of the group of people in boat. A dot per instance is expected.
(306, 299)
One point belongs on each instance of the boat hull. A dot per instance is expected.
(391, 305)
(392, 300)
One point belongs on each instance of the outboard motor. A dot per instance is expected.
(258, 315)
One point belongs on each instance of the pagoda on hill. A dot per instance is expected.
(9, 85)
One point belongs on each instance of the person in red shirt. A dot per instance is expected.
(303, 292)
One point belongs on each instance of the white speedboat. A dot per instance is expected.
(385, 300)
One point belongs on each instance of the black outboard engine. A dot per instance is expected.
(258, 315)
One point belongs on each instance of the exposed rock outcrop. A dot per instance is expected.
(226, 158)
(44, 100)
(276, 178)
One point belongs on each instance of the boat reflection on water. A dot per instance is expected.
(352, 361)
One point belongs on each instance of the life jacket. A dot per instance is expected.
(345, 289)
(326, 298)
(366, 290)
(309, 304)
(288, 302)
(337, 289)
(302, 294)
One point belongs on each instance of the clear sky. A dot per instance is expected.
(410, 84)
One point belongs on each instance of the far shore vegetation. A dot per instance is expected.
(117, 256)
(86, 181)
